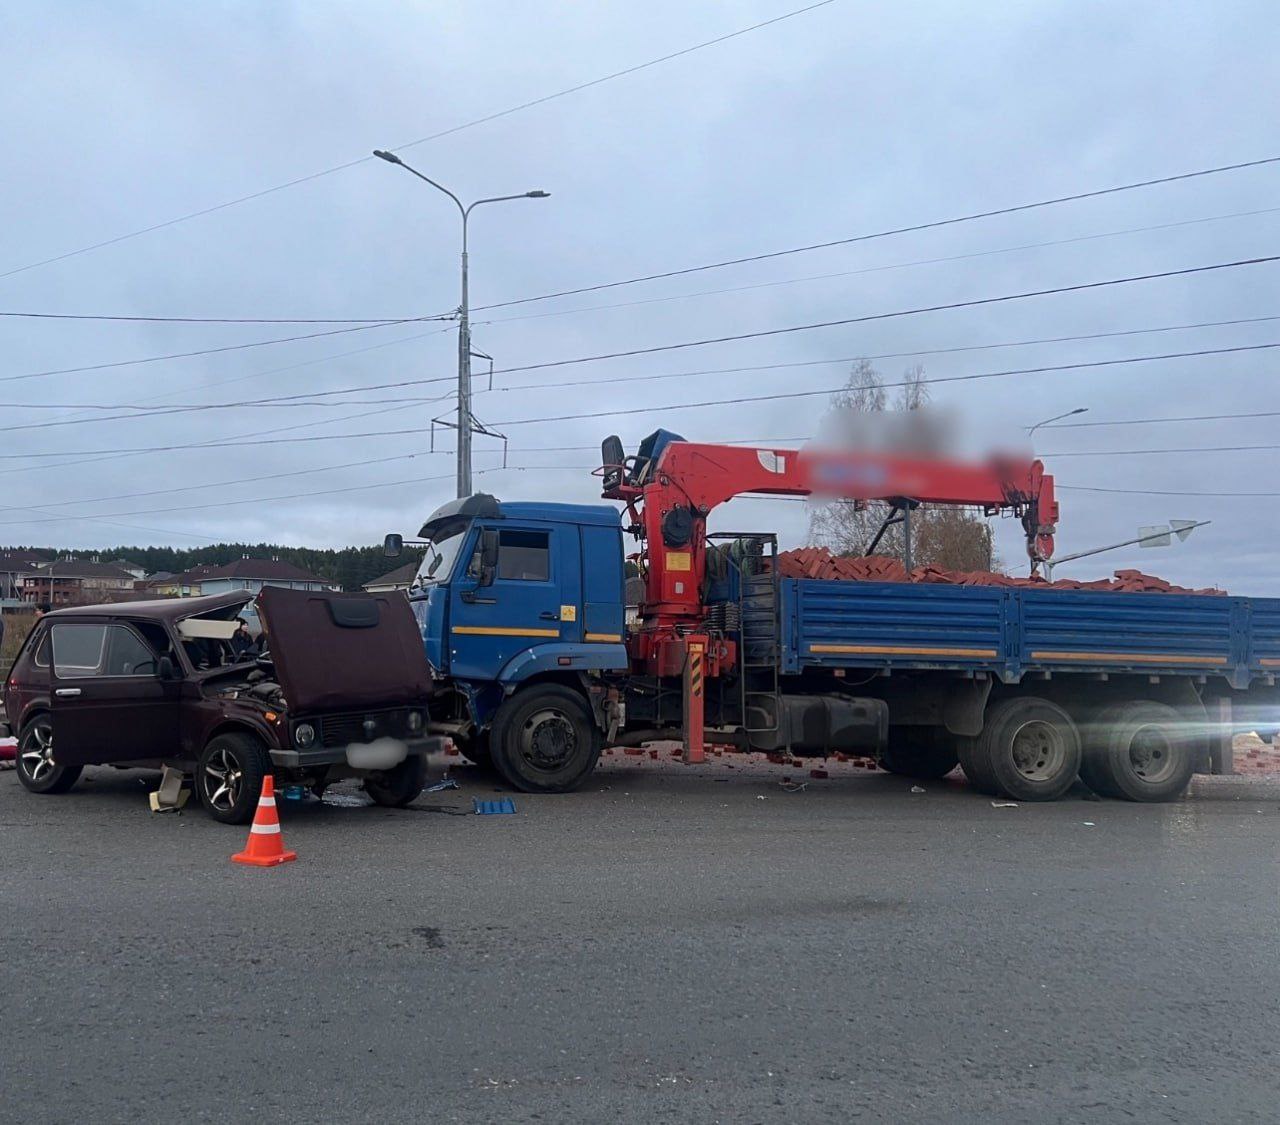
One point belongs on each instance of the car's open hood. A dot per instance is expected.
(344, 651)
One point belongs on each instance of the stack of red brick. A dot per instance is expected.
(818, 562)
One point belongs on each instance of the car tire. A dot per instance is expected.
(229, 775)
(1139, 751)
(476, 750)
(926, 753)
(976, 765)
(37, 768)
(544, 740)
(400, 785)
(1032, 747)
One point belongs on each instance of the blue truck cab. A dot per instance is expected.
(514, 595)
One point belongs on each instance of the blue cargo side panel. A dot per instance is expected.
(1076, 628)
(1264, 634)
(879, 624)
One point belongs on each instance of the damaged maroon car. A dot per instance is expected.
(339, 690)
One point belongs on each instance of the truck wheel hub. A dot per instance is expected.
(548, 739)
(1038, 751)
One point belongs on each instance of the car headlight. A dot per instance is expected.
(415, 722)
(304, 734)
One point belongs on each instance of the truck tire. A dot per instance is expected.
(544, 740)
(398, 786)
(926, 753)
(1139, 751)
(229, 775)
(37, 769)
(1032, 747)
(976, 766)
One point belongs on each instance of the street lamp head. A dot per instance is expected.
(1079, 410)
(389, 157)
(537, 195)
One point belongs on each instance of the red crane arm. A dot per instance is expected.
(690, 479)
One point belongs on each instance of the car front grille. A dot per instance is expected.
(342, 730)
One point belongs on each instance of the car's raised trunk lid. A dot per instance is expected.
(344, 651)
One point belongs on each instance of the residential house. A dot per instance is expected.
(76, 582)
(184, 585)
(13, 565)
(252, 575)
(398, 579)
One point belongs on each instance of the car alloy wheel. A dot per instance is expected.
(223, 779)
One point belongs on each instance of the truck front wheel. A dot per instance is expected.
(1031, 747)
(544, 740)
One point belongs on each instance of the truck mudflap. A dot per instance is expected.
(824, 724)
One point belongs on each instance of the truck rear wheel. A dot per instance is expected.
(976, 766)
(544, 740)
(1139, 751)
(1032, 748)
(922, 752)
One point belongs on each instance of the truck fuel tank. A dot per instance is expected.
(817, 725)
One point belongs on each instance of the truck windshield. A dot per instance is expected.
(440, 556)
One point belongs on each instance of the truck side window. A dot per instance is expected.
(524, 555)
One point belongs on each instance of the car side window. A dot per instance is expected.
(524, 556)
(42, 649)
(78, 650)
(127, 655)
(82, 651)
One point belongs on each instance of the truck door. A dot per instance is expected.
(108, 704)
(530, 595)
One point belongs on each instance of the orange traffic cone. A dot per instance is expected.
(265, 846)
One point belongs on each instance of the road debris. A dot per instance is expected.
(793, 787)
(502, 807)
(917, 789)
(1004, 804)
(441, 785)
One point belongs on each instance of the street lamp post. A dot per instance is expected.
(465, 418)
(1057, 418)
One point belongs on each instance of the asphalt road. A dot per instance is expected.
(663, 946)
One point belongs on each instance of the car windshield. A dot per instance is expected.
(440, 556)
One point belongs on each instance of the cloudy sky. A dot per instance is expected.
(849, 119)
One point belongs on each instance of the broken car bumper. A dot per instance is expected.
(351, 755)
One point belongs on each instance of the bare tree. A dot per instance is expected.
(950, 537)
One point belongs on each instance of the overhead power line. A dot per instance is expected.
(913, 228)
(275, 439)
(1149, 452)
(781, 395)
(951, 305)
(140, 410)
(1156, 421)
(214, 351)
(1162, 492)
(421, 140)
(370, 320)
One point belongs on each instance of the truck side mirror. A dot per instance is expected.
(165, 670)
(612, 456)
(393, 545)
(488, 556)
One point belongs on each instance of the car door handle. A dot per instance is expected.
(470, 598)
(548, 616)
(67, 692)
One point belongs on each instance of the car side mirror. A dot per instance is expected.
(488, 556)
(393, 546)
(165, 669)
